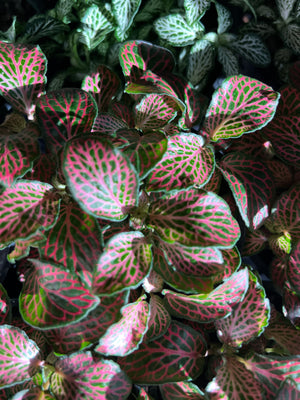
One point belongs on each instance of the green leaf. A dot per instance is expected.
(285, 7)
(195, 9)
(253, 49)
(42, 26)
(200, 62)
(124, 12)
(224, 18)
(228, 60)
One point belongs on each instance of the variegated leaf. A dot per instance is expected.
(251, 185)
(181, 391)
(193, 218)
(228, 60)
(63, 114)
(22, 246)
(25, 208)
(124, 12)
(22, 76)
(52, 297)
(290, 35)
(254, 242)
(241, 105)
(288, 390)
(285, 8)
(107, 124)
(176, 356)
(125, 262)
(293, 267)
(291, 305)
(224, 18)
(19, 356)
(159, 320)
(186, 163)
(100, 177)
(201, 62)
(212, 306)
(248, 319)
(80, 376)
(251, 47)
(35, 393)
(194, 9)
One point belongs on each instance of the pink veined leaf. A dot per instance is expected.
(248, 318)
(283, 332)
(209, 307)
(103, 84)
(78, 335)
(12, 390)
(214, 183)
(188, 284)
(234, 382)
(193, 218)
(17, 153)
(176, 356)
(143, 395)
(124, 112)
(74, 241)
(293, 267)
(241, 105)
(106, 123)
(79, 376)
(186, 163)
(19, 356)
(154, 111)
(252, 186)
(4, 305)
(181, 391)
(109, 231)
(196, 105)
(282, 173)
(22, 246)
(52, 297)
(22, 76)
(146, 151)
(125, 336)
(64, 114)
(26, 207)
(100, 178)
(291, 305)
(159, 320)
(288, 391)
(255, 145)
(137, 57)
(125, 262)
(280, 244)
(153, 283)
(232, 262)
(254, 242)
(43, 169)
(271, 371)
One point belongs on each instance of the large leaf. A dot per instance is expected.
(63, 114)
(52, 297)
(181, 391)
(193, 218)
(241, 105)
(185, 164)
(26, 207)
(234, 382)
(125, 262)
(248, 319)
(252, 186)
(214, 305)
(125, 336)
(100, 177)
(80, 376)
(176, 356)
(22, 75)
(19, 356)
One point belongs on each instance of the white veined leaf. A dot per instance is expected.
(124, 12)
(151, 7)
(63, 10)
(285, 8)
(291, 37)
(201, 61)
(224, 18)
(253, 49)
(195, 9)
(228, 60)
(175, 30)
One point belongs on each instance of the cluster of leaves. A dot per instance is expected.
(125, 221)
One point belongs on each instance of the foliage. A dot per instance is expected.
(134, 202)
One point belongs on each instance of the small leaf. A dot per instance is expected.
(241, 105)
(254, 242)
(224, 18)
(124, 12)
(209, 307)
(108, 124)
(285, 8)
(4, 305)
(159, 320)
(19, 356)
(176, 356)
(100, 178)
(22, 80)
(201, 62)
(253, 49)
(52, 297)
(125, 262)
(246, 177)
(181, 391)
(194, 9)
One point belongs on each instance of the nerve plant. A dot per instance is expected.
(127, 248)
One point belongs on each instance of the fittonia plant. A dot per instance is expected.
(132, 274)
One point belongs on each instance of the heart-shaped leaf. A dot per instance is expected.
(82, 377)
(186, 163)
(125, 336)
(100, 177)
(63, 114)
(159, 320)
(22, 75)
(193, 218)
(248, 319)
(176, 356)
(241, 105)
(52, 297)
(209, 307)
(125, 262)
(252, 186)
(19, 356)
(26, 207)
(181, 391)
